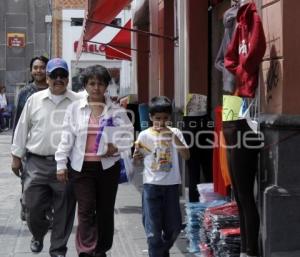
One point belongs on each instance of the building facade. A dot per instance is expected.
(57, 22)
(68, 18)
(25, 32)
(185, 65)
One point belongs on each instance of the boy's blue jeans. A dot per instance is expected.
(161, 217)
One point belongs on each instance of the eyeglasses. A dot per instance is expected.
(59, 73)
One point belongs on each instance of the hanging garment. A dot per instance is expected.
(134, 116)
(201, 154)
(229, 21)
(143, 111)
(220, 186)
(224, 160)
(246, 50)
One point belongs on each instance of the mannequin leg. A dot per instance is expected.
(243, 170)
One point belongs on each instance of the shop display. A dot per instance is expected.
(219, 234)
(246, 50)
(242, 58)
(194, 219)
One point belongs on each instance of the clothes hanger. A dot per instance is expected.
(243, 2)
(234, 3)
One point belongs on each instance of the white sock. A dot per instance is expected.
(251, 256)
(243, 255)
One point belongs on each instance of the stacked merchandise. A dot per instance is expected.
(194, 218)
(230, 242)
(195, 214)
(219, 234)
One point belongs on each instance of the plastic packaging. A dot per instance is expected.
(194, 220)
(207, 194)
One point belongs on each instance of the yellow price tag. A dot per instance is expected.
(231, 107)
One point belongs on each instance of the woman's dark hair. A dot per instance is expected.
(95, 71)
(160, 104)
(41, 58)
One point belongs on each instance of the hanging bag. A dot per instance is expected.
(105, 136)
(126, 174)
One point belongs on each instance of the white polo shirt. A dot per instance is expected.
(40, 125)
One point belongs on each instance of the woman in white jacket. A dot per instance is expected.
(94, 176)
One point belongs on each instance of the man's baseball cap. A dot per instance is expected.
(56, 63)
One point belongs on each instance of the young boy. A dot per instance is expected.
(159, 146)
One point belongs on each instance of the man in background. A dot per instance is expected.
(37, 83)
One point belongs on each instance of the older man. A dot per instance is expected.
(37, 136)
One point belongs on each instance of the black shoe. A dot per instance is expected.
(36, 246)
(100, 255)
(85, 255)
(166, 254)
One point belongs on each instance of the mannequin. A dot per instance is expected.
(244, 144)
(243, 167)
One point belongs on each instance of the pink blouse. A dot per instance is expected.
(93, 127)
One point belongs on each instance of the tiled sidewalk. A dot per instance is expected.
(129, 239)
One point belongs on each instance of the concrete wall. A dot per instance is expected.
(23, 16)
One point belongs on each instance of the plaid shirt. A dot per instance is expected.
(24, 94)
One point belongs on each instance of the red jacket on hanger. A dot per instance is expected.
(246, 50)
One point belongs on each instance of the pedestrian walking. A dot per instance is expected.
(37, 135)
(4, 122)
(38, 82)
(158, 147)
(95, 178)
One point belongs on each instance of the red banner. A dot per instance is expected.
(89, 47)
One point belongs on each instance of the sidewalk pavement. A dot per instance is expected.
(129, 237)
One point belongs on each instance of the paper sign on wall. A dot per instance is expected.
(196, 105)
(231, 107)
